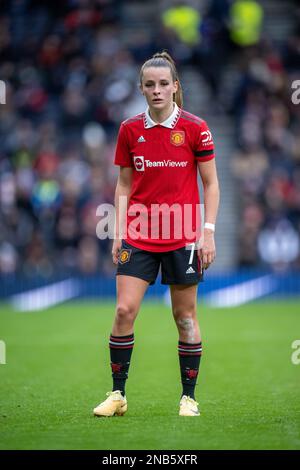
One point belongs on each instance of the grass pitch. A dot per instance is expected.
(57, 370)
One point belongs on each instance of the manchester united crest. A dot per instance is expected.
(177, 137)
(124, 256)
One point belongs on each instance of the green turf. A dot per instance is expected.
(57, 370)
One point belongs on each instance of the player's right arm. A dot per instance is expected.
(122, 194)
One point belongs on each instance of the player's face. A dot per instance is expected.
(158, 87)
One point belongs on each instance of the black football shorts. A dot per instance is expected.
(180, 266)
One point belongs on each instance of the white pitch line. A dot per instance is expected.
(240, 294)
(44, 297)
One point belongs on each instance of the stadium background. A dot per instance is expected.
(71, 71)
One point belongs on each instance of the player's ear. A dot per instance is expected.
(141, 89)
(176, 85)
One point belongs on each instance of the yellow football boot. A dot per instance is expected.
(188, 407)
(114, 405)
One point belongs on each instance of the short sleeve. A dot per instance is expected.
(122, 155)
(204, 148)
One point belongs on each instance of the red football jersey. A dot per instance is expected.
(164, 208)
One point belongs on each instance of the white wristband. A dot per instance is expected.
(209, 226)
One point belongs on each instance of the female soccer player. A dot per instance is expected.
(159, 152)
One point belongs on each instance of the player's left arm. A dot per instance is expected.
(208, 173)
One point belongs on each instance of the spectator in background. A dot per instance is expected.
(185, 21)
(245, 22)
(279, 245)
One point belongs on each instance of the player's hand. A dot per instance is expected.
(116, 250)
(207, 252)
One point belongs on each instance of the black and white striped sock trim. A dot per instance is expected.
(121, 342)
(189, 349)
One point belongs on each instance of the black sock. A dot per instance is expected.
(189, 360)
(120, 354)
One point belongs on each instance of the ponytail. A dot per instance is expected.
(163, 59)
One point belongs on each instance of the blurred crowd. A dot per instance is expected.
(267, 163)
(69, 84)
(71, 73)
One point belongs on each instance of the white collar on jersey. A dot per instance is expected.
(170, 122)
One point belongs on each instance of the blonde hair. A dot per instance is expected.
(163, 59)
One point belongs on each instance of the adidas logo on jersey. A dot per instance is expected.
(190, 270)
(141, 139)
